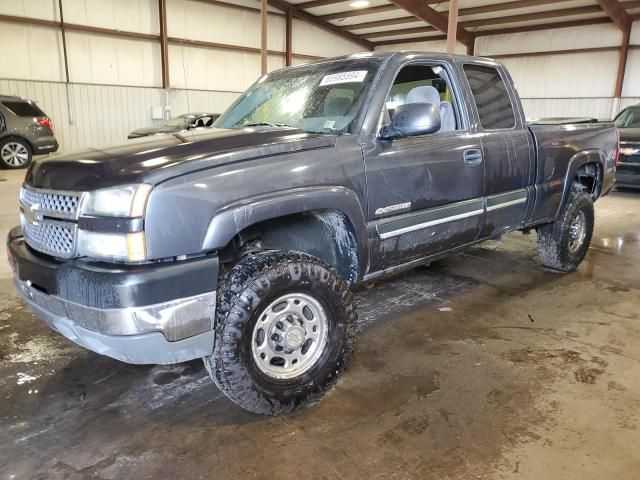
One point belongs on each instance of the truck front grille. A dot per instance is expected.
(49, 220)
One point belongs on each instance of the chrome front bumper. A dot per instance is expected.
(170, 332)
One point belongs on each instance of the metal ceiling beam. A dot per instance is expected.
(543, 26)
(323, 3)
(359, 12)
(382, 23)
(431, 38)
(463, 12)
(528, 17)
(622, 64)
(616, 13)
(432, 17)
(492, 21)
(499, 7)
(307, 17)
(164, 43)
(402, 31)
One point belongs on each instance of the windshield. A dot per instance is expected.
(629, 118)
(321, 98)
(181, 121)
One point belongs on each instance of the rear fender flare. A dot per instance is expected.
(578, 160)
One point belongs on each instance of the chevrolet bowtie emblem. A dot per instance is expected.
(32, 214)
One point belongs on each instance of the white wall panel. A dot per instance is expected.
(550, 40)
(565, 76)
(220, 24)
(625, 102)
(106, 59)
(215, 69)
(43, 9)
(129, 15)
(183, 101)
(635, 33)
(567, 107)
(35, 52)
(433, 46)
(311, 40)
(632, 77)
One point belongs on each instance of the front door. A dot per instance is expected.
(425, 193)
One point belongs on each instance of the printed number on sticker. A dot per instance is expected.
(344, 77)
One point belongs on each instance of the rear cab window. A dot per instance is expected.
(24, 109)
(491, 97)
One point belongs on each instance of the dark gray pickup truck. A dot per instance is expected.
(239, 244)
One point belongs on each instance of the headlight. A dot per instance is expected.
(128, 201)
(118, 246)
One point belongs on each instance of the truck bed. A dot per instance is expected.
(560, 150)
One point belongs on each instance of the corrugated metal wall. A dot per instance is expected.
(115, 82)
(99, 114)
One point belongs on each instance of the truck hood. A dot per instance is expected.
(629, 135)
(158, 158)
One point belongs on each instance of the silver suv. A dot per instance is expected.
(25, 130)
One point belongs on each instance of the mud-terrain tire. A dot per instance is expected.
(294, 299)
(563, 244)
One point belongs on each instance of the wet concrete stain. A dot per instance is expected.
(485, 389)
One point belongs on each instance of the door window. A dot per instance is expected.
(491, 97)
(424, 84)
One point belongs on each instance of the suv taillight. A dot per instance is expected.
(45, 122)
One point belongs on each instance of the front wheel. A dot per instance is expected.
(563, 244)
(285, 328)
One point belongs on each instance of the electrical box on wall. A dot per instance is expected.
(157, 113)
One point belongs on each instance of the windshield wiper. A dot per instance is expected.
(266, 124)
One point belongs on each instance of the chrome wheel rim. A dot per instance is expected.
(577, 232)
(14, 154)
(289, 336)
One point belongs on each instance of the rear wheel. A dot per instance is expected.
(286, 324)
(563, 244)
(15, 153)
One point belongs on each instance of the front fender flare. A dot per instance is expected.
(233, 219)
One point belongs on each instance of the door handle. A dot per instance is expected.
(473, 157)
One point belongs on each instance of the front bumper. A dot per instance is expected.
(147, 314)
(628, 175)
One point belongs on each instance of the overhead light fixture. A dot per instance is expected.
(359, 4)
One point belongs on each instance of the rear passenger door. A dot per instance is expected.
(506, 147)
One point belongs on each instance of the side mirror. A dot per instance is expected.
(412, 119)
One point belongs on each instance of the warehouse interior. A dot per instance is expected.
(482, 364)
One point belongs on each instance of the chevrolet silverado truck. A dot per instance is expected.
(240, 244)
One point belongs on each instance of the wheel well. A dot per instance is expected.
(588, 179)
(325, 234)
(20, 137)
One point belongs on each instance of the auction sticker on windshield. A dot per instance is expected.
(343, 77)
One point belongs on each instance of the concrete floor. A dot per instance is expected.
(482, 366)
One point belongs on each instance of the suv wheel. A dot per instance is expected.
(15, 153)
(563, 244)
(285, 329)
